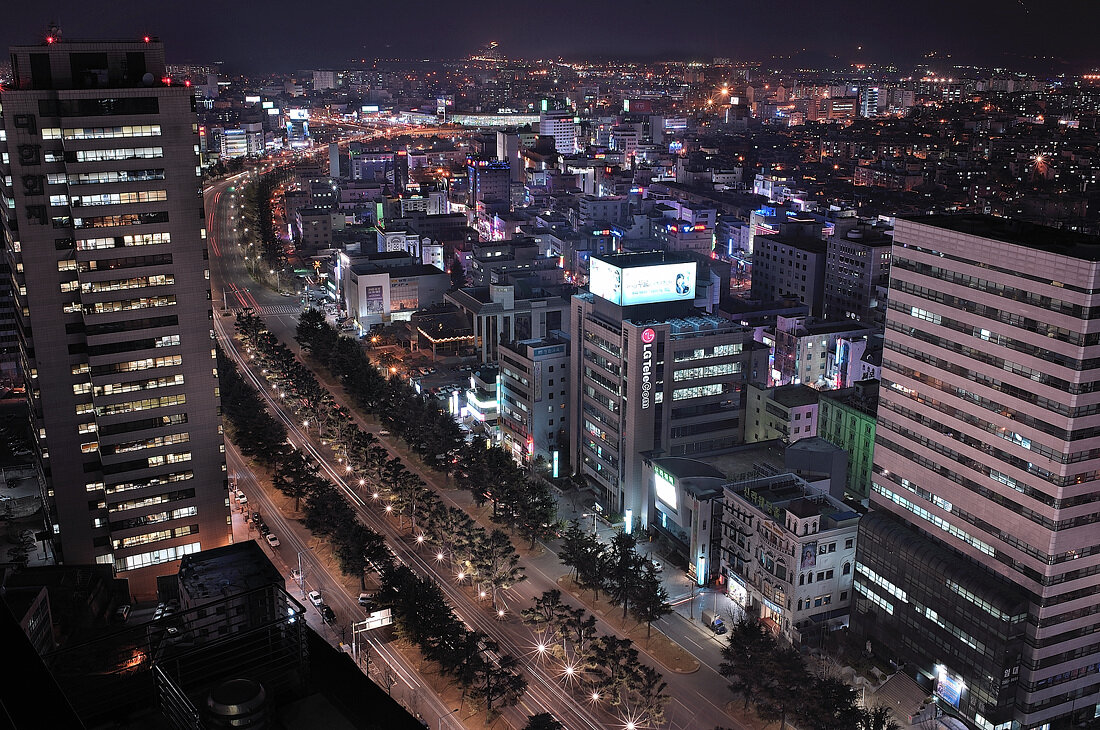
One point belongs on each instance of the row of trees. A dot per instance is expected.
(327, 512)
(772, 676)
(422, 614)
(492, 476)
(473, 659)
(629, 579)
(601, 667)
(417, 419)
(256, 226)
(485, 558)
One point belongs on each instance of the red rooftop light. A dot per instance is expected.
(146, 39)
(50, 39)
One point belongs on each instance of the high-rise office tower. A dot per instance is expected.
(978, 564)
(104, 234)
(650, 375)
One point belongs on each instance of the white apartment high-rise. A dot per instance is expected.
(558, 123)
(104, 233)
(977, 568)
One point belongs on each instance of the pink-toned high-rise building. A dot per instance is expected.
(978, 568)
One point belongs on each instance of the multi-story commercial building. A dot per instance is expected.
(804, 350)
(489, 180)
(788, 553)
(496, 315)
(104, 234)
(558, 123)
(977, 565)
(483, 398)
(846, 418)
(857, 268)
(786, 412)
(609, 209)
(791, 264)
(649, 371)
(534, 400)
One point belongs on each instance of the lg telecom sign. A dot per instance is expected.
(648, 336)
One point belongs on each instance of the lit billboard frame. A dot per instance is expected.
(642, 284)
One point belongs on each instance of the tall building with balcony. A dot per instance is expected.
(104, 234)
(977, 566)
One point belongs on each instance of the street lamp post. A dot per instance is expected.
(593, 516)
(440, 726)
(278, 279)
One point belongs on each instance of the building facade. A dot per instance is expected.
(650, 372)
(534, 400)
(978, 569)
(857, 268)
(846, 418)
(788, 555)
(786, 412)
(105, 236)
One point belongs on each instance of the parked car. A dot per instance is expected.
(263, 528)
(272, 540)
(315, 598)
(366, 600)
(327, 614)
(713, 622)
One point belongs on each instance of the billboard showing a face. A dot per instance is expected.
(642, 284)
(605, 281)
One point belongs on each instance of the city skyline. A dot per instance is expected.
(835, 35)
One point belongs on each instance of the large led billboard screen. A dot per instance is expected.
(642, 284)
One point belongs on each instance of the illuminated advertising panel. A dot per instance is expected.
(268, 105)
(664, 283)
(605, 281)
(642, 284)
(298, 114)
(666, 490)
(252, 100)
(949, 688)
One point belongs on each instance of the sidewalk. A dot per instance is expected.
(676, 582)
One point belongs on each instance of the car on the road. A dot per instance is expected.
(383, 433)
(315, 598)
(272, 540)
(327, 614)
(366, 600)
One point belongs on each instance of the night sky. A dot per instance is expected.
(292, 34)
